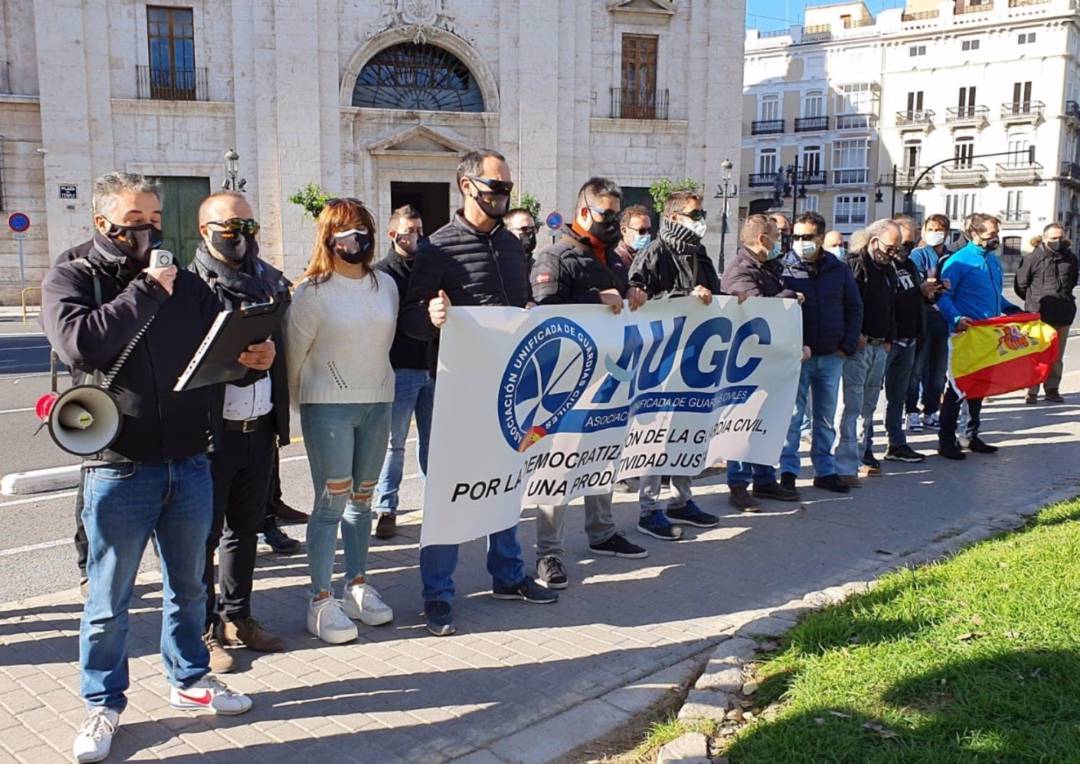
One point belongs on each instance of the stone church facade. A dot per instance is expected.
(375, 99)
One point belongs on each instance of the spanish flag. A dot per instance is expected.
(1002, 354)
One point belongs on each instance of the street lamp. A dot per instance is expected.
(794, 187)
(725, 191)
(879, 197)
(232, 169)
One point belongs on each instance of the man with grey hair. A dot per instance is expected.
(877, 282)
(834, 244)
(108, 309)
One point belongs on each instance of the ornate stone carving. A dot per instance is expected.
(419, 20)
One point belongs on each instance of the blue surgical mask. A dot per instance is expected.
(839, 252)
(776, 251)
(641, 241)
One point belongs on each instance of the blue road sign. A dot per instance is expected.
(18, 222)
(554, 221)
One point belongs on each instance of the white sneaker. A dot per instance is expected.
(363, 603)
(914, 422)
(94, 739)
(327, 620)
(210, 694)
(933, 421)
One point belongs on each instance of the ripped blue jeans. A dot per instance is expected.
(346, 443)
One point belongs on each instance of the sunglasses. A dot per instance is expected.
(350, 232)
(494, 185)
(606, 216)
(640, 231)
(804, 237)
(245, 226)
(693, 214)
(527, 229)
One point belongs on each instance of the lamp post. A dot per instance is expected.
(879, 197)
(795, 186)
(232, 169)
(725, 191)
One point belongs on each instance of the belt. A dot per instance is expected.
(246, 426)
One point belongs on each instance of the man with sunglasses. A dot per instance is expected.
(251, 418)
(520, 222)
(635, 224)
(582, 268)
(878, 284)
(472, 260)
(676, 264)
(414, 387)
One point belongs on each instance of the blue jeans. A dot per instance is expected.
(898, 368)
(124, 506)
(863, 373)
(414, 391)
(740, 474)
(345, 445)
(438, 561)
(820, 377)
(931, 366)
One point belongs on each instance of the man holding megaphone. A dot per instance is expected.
(116, 309)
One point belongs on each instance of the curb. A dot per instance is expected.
(40, 481)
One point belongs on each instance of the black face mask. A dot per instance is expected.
(497, 208)
(135, 241)
(353, 249)
(1057, 247)
(230, 245)
(407, 243)
(605, 230)
(909, 247)
(991, 244)
(528, 242)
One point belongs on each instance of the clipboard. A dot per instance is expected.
(233, 330)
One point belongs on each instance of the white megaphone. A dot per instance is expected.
(83, 420)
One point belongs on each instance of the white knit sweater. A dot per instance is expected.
(337, 342)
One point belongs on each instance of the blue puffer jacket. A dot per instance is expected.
(975, 281)
(833, 310)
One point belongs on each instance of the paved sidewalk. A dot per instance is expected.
(399, 695)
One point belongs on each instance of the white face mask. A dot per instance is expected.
(806, 250)
(934, 238)
(698, 227)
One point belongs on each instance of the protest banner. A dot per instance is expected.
(1000, 355)
(545, 405)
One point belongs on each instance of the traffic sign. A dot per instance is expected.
(554, 221)
(18, 222)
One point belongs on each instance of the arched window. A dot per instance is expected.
(409, 76)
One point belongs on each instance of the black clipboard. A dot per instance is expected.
(232, 332)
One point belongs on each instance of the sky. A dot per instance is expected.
(780, 14)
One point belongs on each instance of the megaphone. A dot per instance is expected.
(83, 420)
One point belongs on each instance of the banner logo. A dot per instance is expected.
(546, 375)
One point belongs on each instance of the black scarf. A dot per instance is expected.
(245, 285)
(678, 237)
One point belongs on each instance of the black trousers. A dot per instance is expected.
(950, 414)
(274, 494)
(241, 469)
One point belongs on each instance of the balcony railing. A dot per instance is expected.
(905, 176)
(813, 177)
(850, 177)
(816, 32)
(964, 174)
(762, 179)
(163, 84)
(811, 124)
(966, 6)
(1023, 111)
(639, 103)
(919, 15)
(1017, 172)
(854, 121)
(1022, 3)
(1070, 171)
(956, 115)
(1014, 219)
(767, 127)
(921, 119)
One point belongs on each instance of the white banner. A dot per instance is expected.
(545, 405)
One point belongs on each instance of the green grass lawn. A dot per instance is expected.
(974, 659)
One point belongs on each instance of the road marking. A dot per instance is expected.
(40, 497)
(17, 411)
(34, 547)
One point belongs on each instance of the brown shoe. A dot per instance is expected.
(247, 632)
(220, 660)
(286, 515)
(851, 481)
(741, 499)
(386, 528)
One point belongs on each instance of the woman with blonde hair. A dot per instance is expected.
(340, 328)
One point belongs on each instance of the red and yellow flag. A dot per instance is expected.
(1003, 354)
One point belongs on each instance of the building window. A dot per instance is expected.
(1019, 143)
(850, 161)
(1014, 204)
(638, 97)
(424, 77)
(810, 161)
(766, 162)
(855, 99)
(814, 104)
(967, 45)
(912, 155)
(171, 36)
(917, 50)
(849, 210)
(963, 151)
(959, 206)
(965, 102)
(769, 108)
(810, 203)
(1025, 38)
(1010, 246)
(1021, 96)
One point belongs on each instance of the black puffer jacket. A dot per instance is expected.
(471, 266)
(670, 267)
(569, 272)
(158, 424)
(1046, 282)
(745, 274)
(406, 352)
